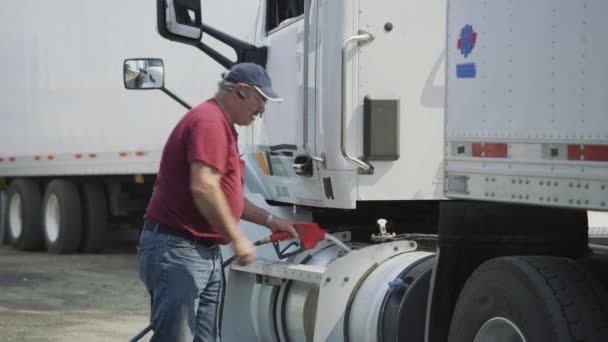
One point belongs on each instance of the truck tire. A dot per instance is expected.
(3, 212)
(22, 218)
(530, 299)
(94, 217)
(61, 217)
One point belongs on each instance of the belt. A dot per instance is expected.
(164, 229)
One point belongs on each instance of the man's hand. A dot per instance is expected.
(279, 225)
(244, 250)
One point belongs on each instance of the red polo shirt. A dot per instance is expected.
(203, 134)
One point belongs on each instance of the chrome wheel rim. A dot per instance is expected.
(499, 329)
(15, 223)
(52, 218)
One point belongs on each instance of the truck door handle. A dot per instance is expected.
(360, 38)
(321, 158)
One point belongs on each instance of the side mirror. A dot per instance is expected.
(180, 20)
(144, 73)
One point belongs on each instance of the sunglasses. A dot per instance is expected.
(257, 94)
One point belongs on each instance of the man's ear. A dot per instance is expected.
(244, 90)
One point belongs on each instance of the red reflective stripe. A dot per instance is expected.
(574, 152)
(596, 152)
(497, 150)
(477, 149)
(490, 150)
(76, 155)
(588, 152)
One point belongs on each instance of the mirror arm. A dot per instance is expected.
(216, 56)
(227, 39)
(245, 52)
(173, 96)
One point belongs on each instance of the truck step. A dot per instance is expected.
(283, 270)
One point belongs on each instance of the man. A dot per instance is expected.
(196, 205)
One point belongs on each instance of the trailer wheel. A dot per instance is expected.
(3, 208)
(61, 217)
(22, 215)
(95, 217)
(530, 299)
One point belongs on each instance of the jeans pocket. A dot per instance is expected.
(179, 243)
(147, 240)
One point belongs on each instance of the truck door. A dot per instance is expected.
(278, 161)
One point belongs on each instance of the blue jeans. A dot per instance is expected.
(184, 280)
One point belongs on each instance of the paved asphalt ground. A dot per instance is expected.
(79, 297)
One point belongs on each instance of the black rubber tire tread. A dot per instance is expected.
(94, 217)
(550, 299)
(3, 211)
(31, 204)
(70, 222)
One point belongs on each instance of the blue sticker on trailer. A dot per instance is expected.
(466, 70)
(467, 40)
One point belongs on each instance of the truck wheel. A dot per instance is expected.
(61, 217)
(530, 299)
(22, 215)
(95, 217)
(3, 208)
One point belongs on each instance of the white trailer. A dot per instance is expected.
(78, 151)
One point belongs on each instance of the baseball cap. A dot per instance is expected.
(255, 76)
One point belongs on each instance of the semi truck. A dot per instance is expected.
(453, 147)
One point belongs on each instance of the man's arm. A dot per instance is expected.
(257, 215)
(253, 213)
(211, 202)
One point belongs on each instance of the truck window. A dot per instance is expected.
(277, 11)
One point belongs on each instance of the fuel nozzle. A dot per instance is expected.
(309, 234)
